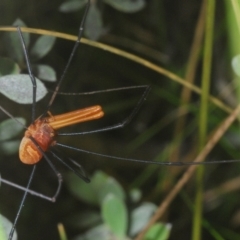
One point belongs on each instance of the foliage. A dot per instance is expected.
(112, 221)
(5, 227)
(40, 49)
(94, 23)
(168, 37)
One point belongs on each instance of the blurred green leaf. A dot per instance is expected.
(13, 42)
(100, 232)
(94, 24)
(158, 231)
(135, 195)
(82, 190)
(5, 227)
(236, 65)
(72, 6)
(9, 147)
(3, 233)
(95, 192)
(45, 72)
(140, 217)
(19, 88)
(111, 186)
(85, 219)
(114, 214)
(8, 66)
(42, 47)
(19, 23)
(10, 128)
(127, 6)
(87, 192)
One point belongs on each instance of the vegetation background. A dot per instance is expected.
(163, 33)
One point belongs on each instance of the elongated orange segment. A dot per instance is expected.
(77, 116)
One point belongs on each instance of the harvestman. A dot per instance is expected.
(40, 135)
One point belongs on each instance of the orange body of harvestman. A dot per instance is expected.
(43, 130)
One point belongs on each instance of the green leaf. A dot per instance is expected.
(8, 66)
(72, 6)
(5, 227)
(110, 186)
(42, 47)
(95, 192)
(85, 219)
(114, 214)
(19, 23)
(135, 195)
(9, 147)
(94, 24)
(87, 192)
(82, 190)
(45, 72)
(158, 231)
(236, 65)
(127, 6)
(140, 217)
(19, 88)
(100, 232)
(10, 128)
(13, 42)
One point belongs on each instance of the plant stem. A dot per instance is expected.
(203, 118)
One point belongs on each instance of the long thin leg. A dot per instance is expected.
(58, 174)
(102, 91)
(21, 204)
(17, 185)
(33, 118)
(80, 33)
(147, 161)
(30, 74)
(27, 190)
(124, 122)
(72, 165)
(12, 117)
(32, 192)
